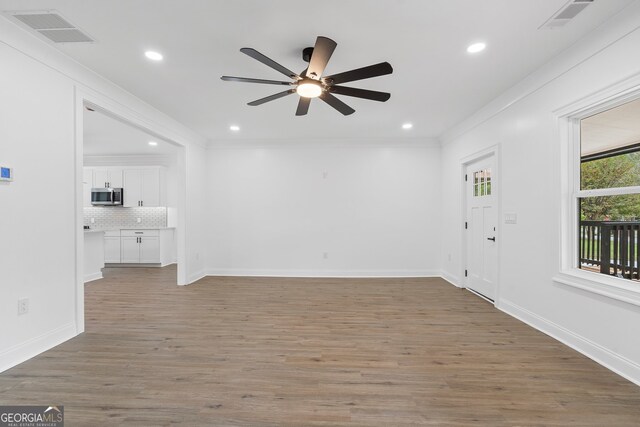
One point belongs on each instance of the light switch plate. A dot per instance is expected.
(510, 218)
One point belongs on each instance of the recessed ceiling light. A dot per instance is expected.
(154, 56)
(476, 47)
(407, 126)
(153, 143)
(234, 128)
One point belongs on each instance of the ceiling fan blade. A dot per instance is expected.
(268, 62)
(248, 80)
(337, 104)
(360, 93)
(271, 97)
(361, 73)
(322, 51)
(303, 106)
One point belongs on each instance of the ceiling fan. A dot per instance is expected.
(311, 84)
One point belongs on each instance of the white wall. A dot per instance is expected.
(38, 109)
(37, 140)
(522, 122)
(273, 211)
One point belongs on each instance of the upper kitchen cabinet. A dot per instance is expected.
(107, 178)
(142, 187)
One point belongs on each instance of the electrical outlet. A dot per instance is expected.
(23, 306)
(325, 255)
(139, 220)
(93, 220)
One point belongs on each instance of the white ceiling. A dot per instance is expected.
(435, 85)
(615, 128)
(106, 136)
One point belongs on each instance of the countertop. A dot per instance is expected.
(102, 230)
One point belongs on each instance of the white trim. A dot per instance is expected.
(608, 286)
(399, 141)
(168, 264)
(27, 349)
(617, 363)
(130, 161)
(94, 276)
(323, 273)
(614, 191)
(78, 124)
(455, 281)
(196, 276)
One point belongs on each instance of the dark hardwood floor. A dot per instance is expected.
(271, 351)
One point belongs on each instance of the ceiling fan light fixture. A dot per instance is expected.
(309, 89)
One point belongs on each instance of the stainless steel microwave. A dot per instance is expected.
(106, 196)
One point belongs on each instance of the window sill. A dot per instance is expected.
(608, 286)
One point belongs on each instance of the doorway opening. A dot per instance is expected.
(130, 198)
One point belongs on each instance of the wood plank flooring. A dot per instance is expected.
(313, 352)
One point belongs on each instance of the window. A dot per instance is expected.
(482, 183)
(608, 197)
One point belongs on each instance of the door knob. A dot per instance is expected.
(493, 239)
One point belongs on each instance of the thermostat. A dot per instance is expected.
(6, 174)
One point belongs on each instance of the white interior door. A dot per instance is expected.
(481, 218)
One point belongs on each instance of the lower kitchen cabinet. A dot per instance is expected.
(112, 249)
(140, 247)
(149, 250)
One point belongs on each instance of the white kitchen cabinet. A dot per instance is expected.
(140, 246)
(149, 250)
(142, 187)
(112, 250)
(130, 250)
(107, 177)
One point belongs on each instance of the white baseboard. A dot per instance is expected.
(24, 351)
(168, 264)
(196, 276)
(323, 273)
(454, 280)
(92, 277)
(607, 358)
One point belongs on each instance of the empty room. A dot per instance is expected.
(349, 213)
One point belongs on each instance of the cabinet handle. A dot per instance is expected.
(142, 203)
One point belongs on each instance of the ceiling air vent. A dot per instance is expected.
(566, 13)
(52, 26)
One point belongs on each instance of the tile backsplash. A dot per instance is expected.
(116, 217)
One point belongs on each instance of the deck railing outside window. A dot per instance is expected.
(610, 247)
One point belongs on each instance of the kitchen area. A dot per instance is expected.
(129, 197)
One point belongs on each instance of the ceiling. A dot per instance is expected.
(106, 136)
(435, 84)
(612, 129)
